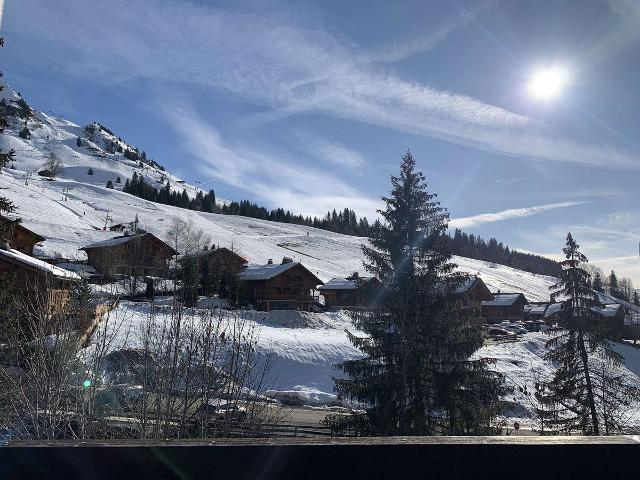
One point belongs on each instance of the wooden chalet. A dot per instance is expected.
(474, 291)
(288, 285)
(535, 310)
(351, 292)
(614, 318)
(504, 306)
(140, 254)
(21, 239)
(216, 268)
(37, 285)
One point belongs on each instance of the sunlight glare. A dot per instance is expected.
(547, 83)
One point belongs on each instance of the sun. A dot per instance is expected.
(547, 83)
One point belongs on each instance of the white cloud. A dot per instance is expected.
(271, 177)
(509, 214)
(268, 60)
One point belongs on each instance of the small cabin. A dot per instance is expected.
(351, 292)
(39, 286)
(504, 306)
(216, 267)
(535, 310)
(614, 318)
(285, 286)
(21, 239)
(140, 254)
(474, 291)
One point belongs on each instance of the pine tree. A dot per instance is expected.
(417, 376)
(109, 184)
(118, 180)
(78, 142)
(597, 283)
(24, 132)
(90, 171)
(614, 289)
(569, 399)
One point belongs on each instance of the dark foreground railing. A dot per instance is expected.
(543, 458)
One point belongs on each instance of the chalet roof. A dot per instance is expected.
(345, 284)
(536, 308)
(265, 272)
(503, 299)
(269, 271)
(20, 226)
(609, 311)
(16, 257)
(111, 242)
(211, 251)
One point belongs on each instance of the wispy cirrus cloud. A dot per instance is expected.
(509, 214)
(269, 59)
(272, 176)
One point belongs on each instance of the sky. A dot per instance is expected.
(309, 105)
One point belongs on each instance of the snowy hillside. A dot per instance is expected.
(71, 211)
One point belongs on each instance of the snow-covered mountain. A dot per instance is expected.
(71, 210)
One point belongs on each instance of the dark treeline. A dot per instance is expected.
(345, 221)
(474, 246)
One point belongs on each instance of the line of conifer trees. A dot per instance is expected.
(345, 222)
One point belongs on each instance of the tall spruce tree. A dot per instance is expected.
(614, 288)
(597, 282)
(569, 400)
(417, 377)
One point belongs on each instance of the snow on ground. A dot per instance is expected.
(522, 363)
(302, 347)
(71, 212)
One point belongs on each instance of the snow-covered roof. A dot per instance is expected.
(265, 272)
(15, 256)
(536, 308)
(502, 299)
(21, 226)
(609, 311)
(468, 284)
(344, 283)
(119, 240)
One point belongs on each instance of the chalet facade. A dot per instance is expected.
(288, 285)
(352, 292)
(216, 269)
(141, 254)
(504, 306)
(21, 238)
(535, 310)
(38, 286)
(614, 318)
(474, 291)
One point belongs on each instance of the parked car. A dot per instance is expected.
(218, 409)
(499, 332)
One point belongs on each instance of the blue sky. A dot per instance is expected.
(309, 105)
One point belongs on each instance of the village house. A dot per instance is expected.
(614, 317)
(474, 292)
(351, 292)
(39, 286)
(504, 306)
(288, 285)
(140, 254)
(535, 310)
(22, 239)
(216, 269)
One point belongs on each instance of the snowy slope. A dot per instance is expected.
(71, 212)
